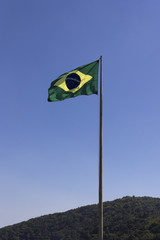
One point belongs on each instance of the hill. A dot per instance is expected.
(129, 218)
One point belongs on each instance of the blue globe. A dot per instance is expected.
(72, 81)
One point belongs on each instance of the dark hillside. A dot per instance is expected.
(129, 218)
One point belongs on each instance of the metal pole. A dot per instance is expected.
(100, 160)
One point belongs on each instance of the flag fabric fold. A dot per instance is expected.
(80, 81)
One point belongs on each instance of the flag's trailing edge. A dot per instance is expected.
(80, 81)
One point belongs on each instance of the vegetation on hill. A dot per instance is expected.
(129, 218)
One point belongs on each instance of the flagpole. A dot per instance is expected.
(100, 159)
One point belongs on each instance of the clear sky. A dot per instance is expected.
(49, 151)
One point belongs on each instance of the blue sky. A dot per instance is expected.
(49, 151)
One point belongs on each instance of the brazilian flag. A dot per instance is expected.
(80, 81)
